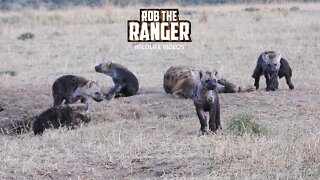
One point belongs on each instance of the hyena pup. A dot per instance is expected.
(125, 82)
(70, 115)
(71, 88)
(206, 99)
(272, 65)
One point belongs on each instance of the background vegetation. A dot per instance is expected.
(153, 135)
(8, 4)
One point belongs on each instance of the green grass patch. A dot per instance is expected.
(25, 36)
(244, 123)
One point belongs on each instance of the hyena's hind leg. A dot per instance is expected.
(228, 86)
(287, 75)
(276, 84)
(178, 94)
(232, 88)
(246, 88)
(288, 80)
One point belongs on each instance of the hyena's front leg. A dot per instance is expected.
(203, 121)
(214, 121)
(267, 76)
(74, 96)
(218, 122)
(213, 126)
(256, 75)
(228, 86)
(277, 83)
(114, 91)
(273, 81)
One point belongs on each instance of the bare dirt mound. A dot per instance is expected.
(22, 106)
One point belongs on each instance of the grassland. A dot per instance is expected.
(153, 135)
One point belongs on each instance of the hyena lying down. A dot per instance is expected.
(272, 65)
(71, 88)
(182, 80)
(63, 115)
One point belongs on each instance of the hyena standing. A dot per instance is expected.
(205, 98)
(271, 65)
(71, 88)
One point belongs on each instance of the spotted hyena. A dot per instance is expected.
(205, 98)
(182, 80)
(69, 89)
(125, 82)
(272, 65)
(69, 115)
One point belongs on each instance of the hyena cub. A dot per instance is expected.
(125, 82)
(271, 65)
(71, 88)
(70, 115)
(206, 99)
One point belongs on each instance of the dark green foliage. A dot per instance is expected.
(25, 36)
(244, 123)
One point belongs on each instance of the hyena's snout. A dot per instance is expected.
(98, 68)
(97, 96)
(211, 84)
(273, 67)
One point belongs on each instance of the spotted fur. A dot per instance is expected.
(206, 99)
(181, 81)
(70, 115)
(272, 65)
(69, 89)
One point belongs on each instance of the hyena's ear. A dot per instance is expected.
(193, 74)
(201, 74)
(108, 63)
(86, 107)
(279, 58)
(265, 57)
(216, 74)
(90, 84)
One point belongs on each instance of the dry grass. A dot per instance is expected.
(154, 135)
